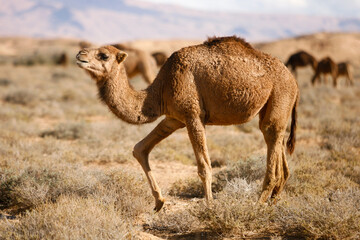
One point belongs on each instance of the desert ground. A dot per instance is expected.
(67, 170)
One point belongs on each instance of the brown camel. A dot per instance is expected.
(345, 69)
(301, 59)
(326, 66)
(63, 60)
(160, 58)
(85, 44)
(138, 61)
(223, 81)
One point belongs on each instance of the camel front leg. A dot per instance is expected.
(196, 131)
(315, 78)
(143, 148)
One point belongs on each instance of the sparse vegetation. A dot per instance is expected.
(67, 170)
(21, 97)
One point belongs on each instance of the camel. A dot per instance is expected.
(345, 69)
(301, 59)
(85, 44)
(138, 61)
(63, 60)
(223, 81)
(160, 58)
(326, 66)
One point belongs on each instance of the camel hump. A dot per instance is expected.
(211, 41)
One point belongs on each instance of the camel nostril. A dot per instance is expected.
(82, 52)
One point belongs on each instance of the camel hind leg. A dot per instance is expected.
(285, 175)
(143, 148)
(349, 79)
(273, 122)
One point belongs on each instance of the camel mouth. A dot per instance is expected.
(81, 61)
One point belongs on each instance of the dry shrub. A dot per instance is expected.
(22, 97)
(188, 188)
(251, 169)
(5, 82)
(71, 218)
(68, 131)
(234, 210)
(32, 187)
(181, 221)
(310, 174)
(336, 216)
(235, 213)
(341, 138)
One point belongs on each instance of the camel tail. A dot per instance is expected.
(292, 137)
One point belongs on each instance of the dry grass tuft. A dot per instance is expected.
(71, 218)
(342, 140)
(5, 82)
(68, 131)
(33, 186)
(251, 169)
(22, 97)
(235, 212)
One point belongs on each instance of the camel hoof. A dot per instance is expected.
(159, 204)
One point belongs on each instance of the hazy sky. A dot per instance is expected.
(339, 8)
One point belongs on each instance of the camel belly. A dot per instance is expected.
(232, 114)
(236, 105)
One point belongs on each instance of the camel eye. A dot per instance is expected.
(103, 56)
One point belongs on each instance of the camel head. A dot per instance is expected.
(99, 62)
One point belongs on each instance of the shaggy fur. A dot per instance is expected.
(221, 82)
(345, 69)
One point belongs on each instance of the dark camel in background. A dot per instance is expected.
(223, 81)
(301, 59)
(326, 66)
(63, 60)
(345, 69)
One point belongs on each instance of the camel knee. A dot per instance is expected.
(139, 152)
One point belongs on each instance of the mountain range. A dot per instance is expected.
(126, 20)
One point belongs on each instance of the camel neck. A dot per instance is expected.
(135, 107)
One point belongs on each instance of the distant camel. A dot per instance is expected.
(326, 66)
(138, 61)
(85, 44)
(63, 60)
(223, 81)
(160, 58)
(301, 59)
(345, 69)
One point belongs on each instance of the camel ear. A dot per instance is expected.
(120, 56)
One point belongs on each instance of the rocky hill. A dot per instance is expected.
(125, 20)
